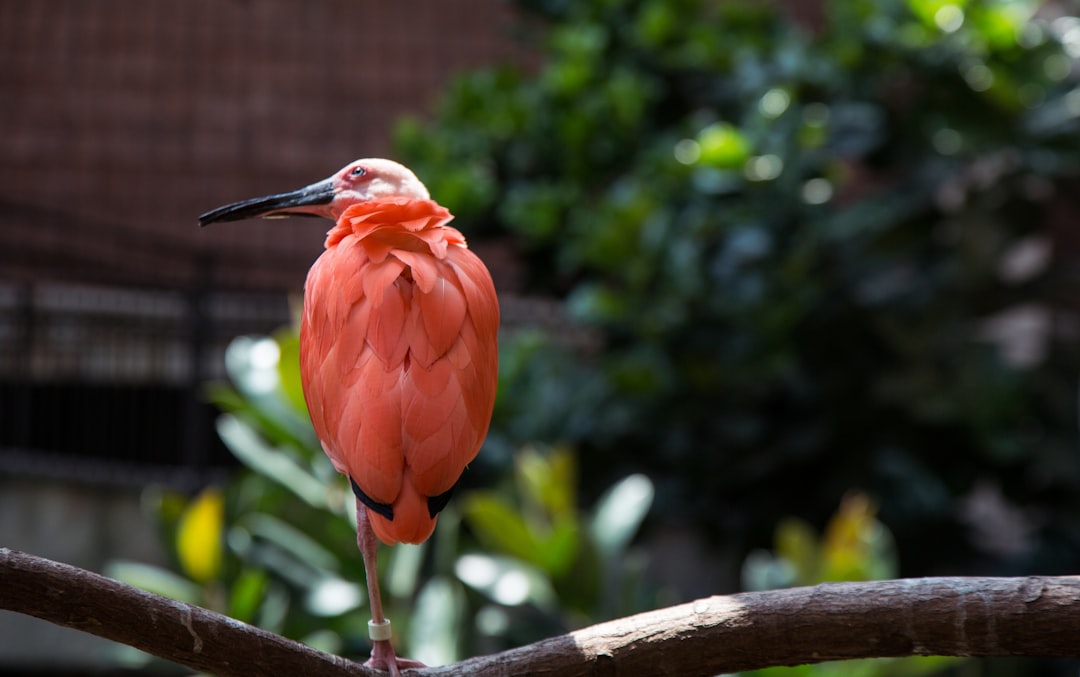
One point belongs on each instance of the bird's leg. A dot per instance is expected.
(382, 651)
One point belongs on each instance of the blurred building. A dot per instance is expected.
(122, 121)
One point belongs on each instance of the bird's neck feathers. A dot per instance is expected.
(384, 224)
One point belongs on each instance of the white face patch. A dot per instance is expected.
(380, 187)
(380, 179)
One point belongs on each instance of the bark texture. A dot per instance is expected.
(177, 631)
(1033, 616)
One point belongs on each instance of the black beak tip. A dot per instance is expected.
(226, 213)
(210, 217)
(281, 204)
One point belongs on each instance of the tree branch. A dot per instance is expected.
(1035, 616)
(177, 631)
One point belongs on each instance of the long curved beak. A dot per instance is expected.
(306, 201)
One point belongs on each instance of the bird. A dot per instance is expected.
(398, 353)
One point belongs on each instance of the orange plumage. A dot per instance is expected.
(397, 357)
(398, 353)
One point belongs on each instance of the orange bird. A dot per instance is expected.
(398, 353)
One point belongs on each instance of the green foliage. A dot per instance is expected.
(786, 248)
(276, 546)
(854, 547)
(576, 567)
(789, 246)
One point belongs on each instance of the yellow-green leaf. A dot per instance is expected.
(289, 370)
(797, 544)
(499, 527)
(199, 536)
(723, 145)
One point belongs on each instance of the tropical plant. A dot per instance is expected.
(796, 252)
(276, 545)
(855, 546)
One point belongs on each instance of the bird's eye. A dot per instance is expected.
(357, 171)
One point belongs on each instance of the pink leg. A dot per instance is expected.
(382, 651)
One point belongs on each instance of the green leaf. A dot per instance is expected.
(288, 366)
(499, 526)
(333, 596)
(549, 479)
(723, 146)
(403, 573)
(435, 631)
(912, 666)
(506, 580)
(272, 462)
(559, 550)
(154, 579)
(246, 594)
(292, 540)
(797, 544)
(254, 365)
(619, 513)
(762, 571)
(325, 640)
(856, 546)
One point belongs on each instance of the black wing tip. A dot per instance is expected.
(384, 509)
(435, 504)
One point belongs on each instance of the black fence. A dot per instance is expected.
(107, 384)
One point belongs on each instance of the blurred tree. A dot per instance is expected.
(795, 250)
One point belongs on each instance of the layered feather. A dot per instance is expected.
(398, 356)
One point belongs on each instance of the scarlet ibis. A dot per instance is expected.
(398, 354)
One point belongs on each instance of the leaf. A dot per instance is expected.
(506, 580)
(436, 626)
(199, 536)
(797, 545)
(292, 540)
(723, 146)
(762, 571)
(333, 596)
(154, 579)
(324, 640)
(550, 479)
(403, 573)
(270, 461)
(246, 594)
(499, 527)
(274, 610)
(288, 367)
(619, 513)
(254, 365)
(167, 506)
(559, 550)
(856, 546)
(912, 666)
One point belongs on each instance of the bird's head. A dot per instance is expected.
(359, 181)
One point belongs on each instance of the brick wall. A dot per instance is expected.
(124, 120)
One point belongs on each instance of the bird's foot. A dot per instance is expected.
(383, 657)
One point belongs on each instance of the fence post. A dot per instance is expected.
(199, 333)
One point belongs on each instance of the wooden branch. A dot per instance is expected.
(180, 632)
(1035, 616)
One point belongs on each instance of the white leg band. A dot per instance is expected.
(379, 632)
